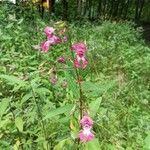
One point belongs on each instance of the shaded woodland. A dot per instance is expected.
(137, 10)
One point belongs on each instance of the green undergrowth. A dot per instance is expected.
(116, 85)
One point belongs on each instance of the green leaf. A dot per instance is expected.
(13, 80)
(147, 142)
(60, 145)
(64, 144)
(19, 123)
(72, 84)
(4, 122)
(97, 89)
(6, 37)
(58, 111)
(3, 106)
(16, 146)
(93, 145)
(94, 106)
(26, 97)
(111, 147)
(10, 25)
(20, 21)
(41, 91)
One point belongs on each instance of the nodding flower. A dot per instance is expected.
(80, 51)
(61, 60)
(65, 38)
(86, 121)
(51, 39)
(80, 62)
(86, 134)
(49, 31)
(79, 47)
(54, 40)
(45, 46)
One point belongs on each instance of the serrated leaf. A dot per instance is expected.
(97, 89)
(26, 97)
(93, 145)
(16, 146)
(63, 143)
(6, 37)
(60, 145)
(34, 82)
(13, 80)
(58, 111)
(94, 106)
(42, 91)
(19, 123)
(72, 85)
(4, 123)
(111, 147)
(20, 21)
(3, 106)
(9, 25)
(147, 142)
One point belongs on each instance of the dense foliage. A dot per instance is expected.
(35, 113)
(137, 10)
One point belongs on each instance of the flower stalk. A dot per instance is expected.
(39, 115)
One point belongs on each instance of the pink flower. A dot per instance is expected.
(45, 46)
(49, 31)
(54, 40)
(79, 48)
(65, 38)
(53, 80)
(86, 135)
(61, 60)
(86, 121)
(80, 62)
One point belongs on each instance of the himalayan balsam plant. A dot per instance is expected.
(80, 62)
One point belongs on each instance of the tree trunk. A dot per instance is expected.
(126, 9)
(122, 5)
(53, 5)
(65, 9)
(99, 8)
(137, 9)
(116, 6)
(42, 8)
(141, 8)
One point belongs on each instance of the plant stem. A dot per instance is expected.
(39, 115)
(78, 79)
(19, 133)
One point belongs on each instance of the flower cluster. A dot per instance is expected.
(80, 51)
(61, 60)
(51, 39)
(85, 134)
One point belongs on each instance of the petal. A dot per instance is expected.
(90, 137)
(61, 60)
(45, 46)
(86, 137)
(85, 63)
(77, 63)
(49, 31)
(79, 47)
(86, 120)
(54, 39)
